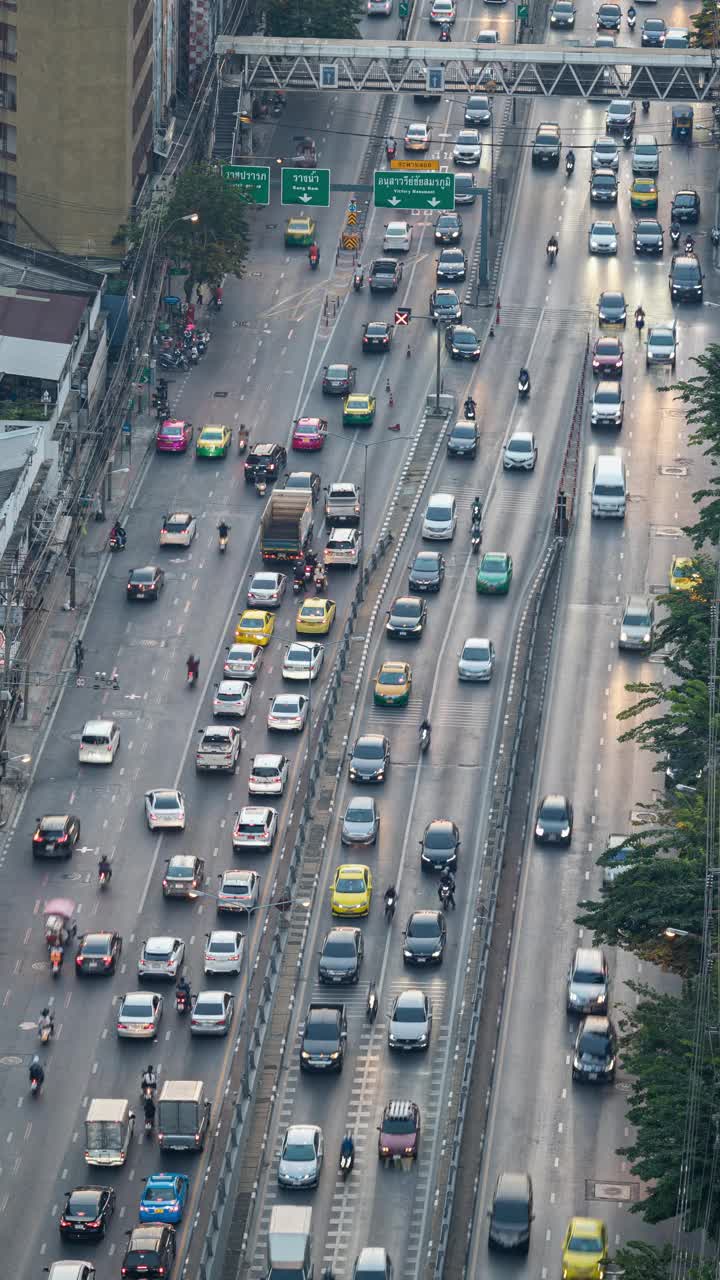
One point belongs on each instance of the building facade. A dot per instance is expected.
(76, 120)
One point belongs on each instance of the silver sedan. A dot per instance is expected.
(212, 1013)
(139, 1015)
(288, 711)
(165, 808)
(477, 659)
(603, 238)
(302, 660)
(301, 1157)
(266, 590)
(361, 822)
(232, 698)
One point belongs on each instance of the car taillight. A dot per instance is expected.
(63, 1222)
(78, 960)
(37, 837)
(96, 1223)
(61, 839)
(165, 883)
(107, 959)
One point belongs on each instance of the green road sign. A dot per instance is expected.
(398, 190)
(523, 12)
(404, 8)
(305, 186)
(253, 178)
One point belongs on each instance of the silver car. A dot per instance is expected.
(605, 154)
(243, 662)
(302, 660)
(266, 590)
(638, 624)
(588, 982)
(232, 698)
(139, 1015)
(603, 238)
(661, 345)
(238, 891)
(255, 827)
(477, 659)
(301, 1156)
(212, 1013)
(165, 807)
(410, 1022)
(361, 822)
(161, 957)
(223, 951)
(468, 147)
(520, 452)
(288, 711)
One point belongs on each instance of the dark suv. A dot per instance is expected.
(265, 461)
(686, 278)
(385, 273)
(594, 1056)
(511, 1213)
(150, 1252)
(685, 207)
(547, 145)
(603, 186)
(620, 116)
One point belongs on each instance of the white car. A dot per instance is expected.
(212, 1013)
(223, 951)
(343, 547)
(266, 590)
(232, 698)
(268, 775)
(605, 154)
(239, 891)
(255, 828)
(489, 36)
(243, 662)
(398, 237)
(603, 238)
(477, 659)
(520, 451)
(218, 750)
(178, 529)
(165, 807)
(139, 1015)
(661, 344)
(302, 661)
(440, 518)
(99, 742)
(443, 11)
(288, 711)
(418, 137)
(161, 958)
(468, 148)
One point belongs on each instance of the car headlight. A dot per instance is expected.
(305, 1055)
(623, 635)
(409, 1151)
(646, 638)
(392, 1039)
(407, 953)
(436, 954)
(574, 998)
(335, 1055)
(565, 833)
(577, 1063)
(539, 829)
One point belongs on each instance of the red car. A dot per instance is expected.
(173, 436)
(607, 356)
(309, 433)
(399, 1130)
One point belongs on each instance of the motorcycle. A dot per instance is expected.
(424, 738)
(444, 36)
(639, 320)
(390, 149)
(320, 580)
(309, 573)
(45, 1032)
(194, 355)
(56, 961)
(469, 409)
(645, 106)
(627, 139)
(147, 1091)
(298, 586)
(674, 236)
(569, 165)
(372, 1004)
(35, 1086)
(222, 542)
(715, 237)
(182, 1002)
(358, 281)
(475, 542)
(476, 513)
(148, 1126)
(552, 252)
(175, 361)
(103, 879)
(192, 675)
(444, 895)
(242, 441)
(523, 385)
(631, 20)
(345, 1164)
(314, 260)
(689, 244)
(116, 542)
(216, 304)
(390, 904)
(261, 487)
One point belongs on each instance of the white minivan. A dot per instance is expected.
(99, 742)
(440, 518)
(609, 487)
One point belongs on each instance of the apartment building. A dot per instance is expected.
(76, 120)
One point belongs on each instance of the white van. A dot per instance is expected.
(646, 156)
(99, 742)
(440, 517)
(609, 487)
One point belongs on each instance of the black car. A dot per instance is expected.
(648, 236)
(595, 1053)
(338, 379)
(478, 110)
(370, 758)
(554, 821)
(341, 956)
(451, 265)
(462, 441)
(686, 278)
(439, 845)
(603, 186)
(445, 305)
(377, 335)
(653, 33)
(424, 938)
(609, 17)
(406, 618)
(462, 342)
(150, 1252)
(265, 462)
(511, 1214)
(87, 1213)
(304, 482)
(385, 274)
(98, 953)
(427, 571)
(563, 14)
(145, 583)
(612, 308)
(448, 228)
(685, 207)
(620, 116)
(56, 835)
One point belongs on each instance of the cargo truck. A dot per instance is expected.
(286, 525)
(290, 1243)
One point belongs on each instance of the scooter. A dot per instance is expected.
(45, 1033)
(56, 961)
(345, 1165)
(309, 572)
(181, 1002)
(261, 487)
(222, 542)
(390, 903)
(372, 1004)
(192, 675)
(424, 739)
(35, 1087)
(689, 244)
(631, 20)
(390, 149)
(674, 236)
(314, 262)
(103, 879)
(645, 106)
(569, 166)
(444, 36)
(298, 586)
(639, 320)
(117, 544)
(148, 1127)
(476, 543)
(627, 139)
(523, 386)
(147, 1091)
(551, 253)
(358, 281)
(242, 441)
(469, 409)
(320, 580)
(444, 894)
(216, 304)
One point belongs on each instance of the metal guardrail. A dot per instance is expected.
(566, 500)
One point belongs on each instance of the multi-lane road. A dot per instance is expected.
(266, 360)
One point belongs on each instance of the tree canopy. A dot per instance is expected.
(329, 19)
(701, 397)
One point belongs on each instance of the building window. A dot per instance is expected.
(141, 101)
(8, 41)
(139, 12)
(141, 52)
(142, 150)
(8, 141)
(8, 190)
(8, 92)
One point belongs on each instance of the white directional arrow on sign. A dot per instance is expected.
(433, 202)
(305, 199)
(394, 200)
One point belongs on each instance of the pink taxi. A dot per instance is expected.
(173, 436)
(309, 433)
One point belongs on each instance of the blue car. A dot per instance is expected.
(164, 1197)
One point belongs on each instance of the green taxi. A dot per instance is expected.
(494, 574)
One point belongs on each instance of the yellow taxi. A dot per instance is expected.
(358, 410)
(683, 575)
(643, 193)
(315, 617)
(393, 683)
(351, 890)
(213, 442)
(585, 1249)
(255, 626)
(300, 230)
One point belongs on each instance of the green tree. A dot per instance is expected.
(654, 894)
(705, 25)
(678, 730)
(642, 1261)
(217, 244)
(701, 397)
(657, 1049)
(329, 19)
